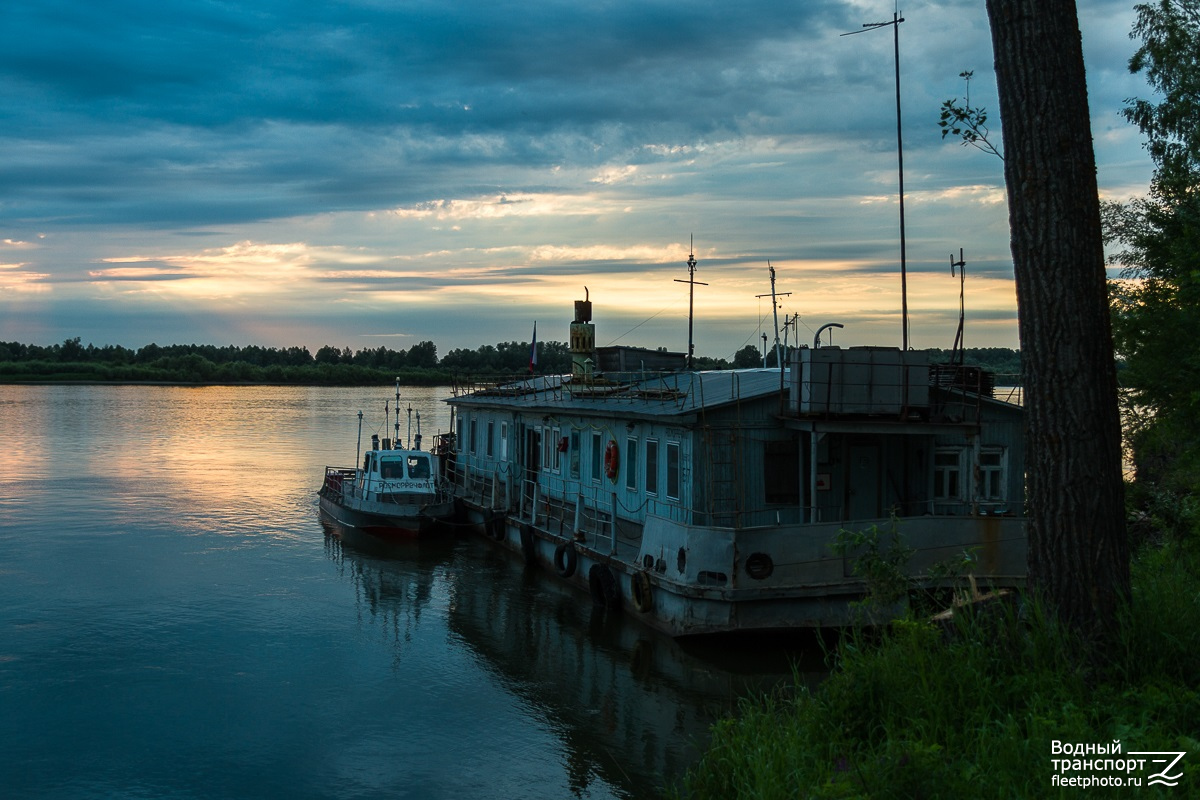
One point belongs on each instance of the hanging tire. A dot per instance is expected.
(565, 559)
(528, 546)
(639, 586)
(602, 585)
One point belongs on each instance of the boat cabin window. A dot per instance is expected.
(418, 468)
(947, 469)
(673, 470)
(631, 473)
(573, 455)
(491, 438)
(651, 466)
(597, 455)
(391, 469)
(991, 473)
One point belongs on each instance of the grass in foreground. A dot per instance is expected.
(924, 712)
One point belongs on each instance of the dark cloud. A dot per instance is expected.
(159, 126)
(165, 113)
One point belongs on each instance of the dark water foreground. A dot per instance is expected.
(177, 621)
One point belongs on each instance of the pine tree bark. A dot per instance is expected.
(1078, 551)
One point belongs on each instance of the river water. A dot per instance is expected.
(177, 620)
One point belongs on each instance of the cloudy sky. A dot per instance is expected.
(382, 172)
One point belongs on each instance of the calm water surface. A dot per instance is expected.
(178, 621)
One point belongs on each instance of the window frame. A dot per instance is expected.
(944, 473)
(597, 456)
(674, 471)
(997, 472)
(631, 470)
(651, 466)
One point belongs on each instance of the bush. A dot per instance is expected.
(970, 711)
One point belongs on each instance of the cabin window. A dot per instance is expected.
(573, 455)
(597, 455)
(471, 436)
(673, 470)
(489, 447)
(631, 472)
(391, 470)
(504, 441)
(556, 454)
(991, 473)
(781, 471)
(418, 468)
(651, 466)
(947, 473)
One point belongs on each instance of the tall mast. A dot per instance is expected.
(358, 447)
(775, 311)
(895, 23)
(396, 437)
(691, 281)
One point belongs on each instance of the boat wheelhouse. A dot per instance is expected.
(396, 493)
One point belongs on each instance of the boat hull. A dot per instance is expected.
(707, 590)
(412, 524)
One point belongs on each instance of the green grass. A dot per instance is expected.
(919, 711)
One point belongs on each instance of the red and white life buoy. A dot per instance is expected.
(612, 460)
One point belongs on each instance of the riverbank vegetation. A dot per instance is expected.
(971, 708)
(418, 366)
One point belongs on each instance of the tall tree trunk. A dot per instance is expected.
(1078, 552)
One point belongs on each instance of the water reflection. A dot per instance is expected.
(394, 581)
(629, 708)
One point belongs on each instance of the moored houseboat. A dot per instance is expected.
(709, 501)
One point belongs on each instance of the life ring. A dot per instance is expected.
(603, 587)
(639, 591)
(565, 559)
(612, 460)
(528, 548)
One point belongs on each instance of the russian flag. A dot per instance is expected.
(533, 348)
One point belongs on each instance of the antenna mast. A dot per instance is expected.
(396, 437)
(895, 23)
(959, 344)
(691, 281)
(775, 311)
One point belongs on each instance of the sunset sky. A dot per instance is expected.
(375, 172)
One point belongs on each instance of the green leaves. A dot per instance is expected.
(966, 122)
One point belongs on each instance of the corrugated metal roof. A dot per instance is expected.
(667, 394)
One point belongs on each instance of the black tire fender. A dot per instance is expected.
(640, 593)
(566, 559)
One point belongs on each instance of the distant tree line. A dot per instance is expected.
(419, 365)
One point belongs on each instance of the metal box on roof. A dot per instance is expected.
(859, 380)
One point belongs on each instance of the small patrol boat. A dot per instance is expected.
(396, 493)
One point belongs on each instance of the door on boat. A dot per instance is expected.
(864, 481)
(532, 454)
